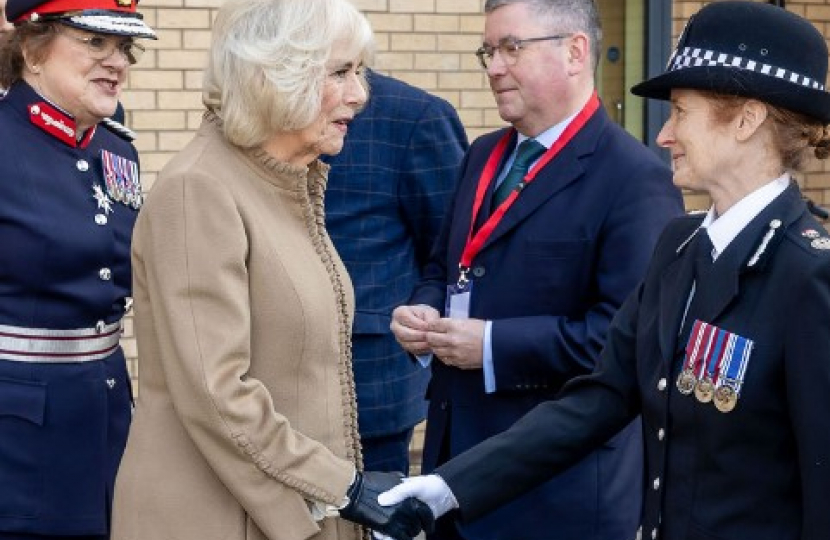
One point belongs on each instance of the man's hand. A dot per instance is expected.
(403, 520)
(410, 324)
(430, 489)
(457, 342)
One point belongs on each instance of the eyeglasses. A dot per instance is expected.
(509, 49)
(101, 47)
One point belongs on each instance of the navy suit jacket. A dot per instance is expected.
(566, 255)
(387, 193)
(759, 471)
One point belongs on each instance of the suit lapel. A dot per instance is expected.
(560, 172)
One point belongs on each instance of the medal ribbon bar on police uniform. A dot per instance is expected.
(715, 365)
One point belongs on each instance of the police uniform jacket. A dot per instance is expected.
(246, 414)
(760, 471)
(64, 264)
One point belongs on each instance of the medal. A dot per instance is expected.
(121, 177)
(716, 350)
(728, 388)
(725, 399)
(698, 339)
(686, 382)
(104, 202)
(705, 390)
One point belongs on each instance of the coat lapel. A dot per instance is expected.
(563, 170)
(754, 245)
(747, 253)
(675, 284)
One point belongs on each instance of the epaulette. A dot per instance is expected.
(119, 129)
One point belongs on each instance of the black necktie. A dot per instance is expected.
(527, 153)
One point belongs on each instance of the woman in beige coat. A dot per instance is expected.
(245, 426)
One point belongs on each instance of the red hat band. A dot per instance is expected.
(53, 7)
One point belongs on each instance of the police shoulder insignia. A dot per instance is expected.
(818, 239)
(820, 243)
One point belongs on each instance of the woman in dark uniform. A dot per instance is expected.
(69, 195)
(725, 348)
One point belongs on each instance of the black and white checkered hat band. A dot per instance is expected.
(128, 26)
(688, 57)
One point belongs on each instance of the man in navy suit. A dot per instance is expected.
(519, 293)
(387, 193)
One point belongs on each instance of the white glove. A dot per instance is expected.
(430, 489)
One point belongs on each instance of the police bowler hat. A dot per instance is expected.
(101, 16)
(749, 49)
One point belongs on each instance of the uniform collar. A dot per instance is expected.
(723, 229)
(47, 116)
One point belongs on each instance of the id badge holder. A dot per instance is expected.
(458, 300)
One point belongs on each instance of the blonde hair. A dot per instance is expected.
(267, 62)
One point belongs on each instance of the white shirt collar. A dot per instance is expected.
(723, 229)
(550, 135)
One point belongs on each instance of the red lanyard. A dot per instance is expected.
(477, 241)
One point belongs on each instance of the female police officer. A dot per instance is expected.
(69, 195)
(724, 347)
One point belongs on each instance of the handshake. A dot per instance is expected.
(406, 507)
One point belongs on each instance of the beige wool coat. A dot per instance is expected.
(246, 409)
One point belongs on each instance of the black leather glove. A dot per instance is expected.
(402, 521)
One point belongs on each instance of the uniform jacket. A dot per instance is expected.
(386, 196)
(64, 264)
(759, 471)
(246, 409)
(552, 275)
